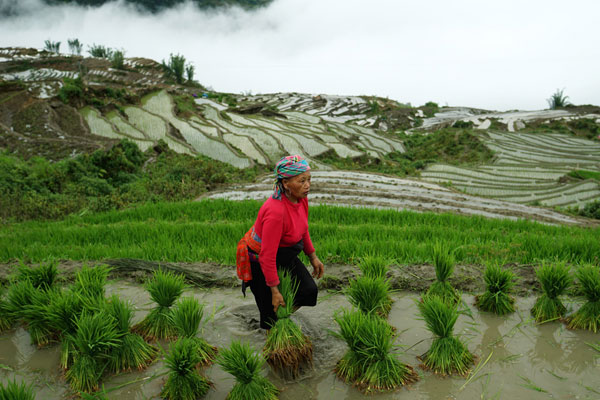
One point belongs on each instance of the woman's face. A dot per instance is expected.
(297, 187)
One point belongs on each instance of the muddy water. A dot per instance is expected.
(525, 360)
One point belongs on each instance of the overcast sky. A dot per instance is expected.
(497, 55)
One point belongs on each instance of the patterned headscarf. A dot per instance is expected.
(286, 168)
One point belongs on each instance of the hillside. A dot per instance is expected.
(60, 106)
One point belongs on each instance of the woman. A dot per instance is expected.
(279, 234)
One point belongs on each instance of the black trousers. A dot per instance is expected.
(287, 259)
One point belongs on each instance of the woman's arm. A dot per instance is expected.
(318, 267)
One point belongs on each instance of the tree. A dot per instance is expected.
(75, 46)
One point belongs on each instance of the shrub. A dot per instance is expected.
(591, 210)
(53, 47)
(189, 72)
(117, 59)
(557, 100)
(175, 68)
(100, 51)
(75, 46)
(71, 89)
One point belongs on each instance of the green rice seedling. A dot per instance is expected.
(443, 262)
(370, 295)
(62, 315)
(497, 298)
(447, 354)
(184, 381)
(6, 319)
(555, 279)
(588, 316)
(42, 277)
(371, 361)
(35, 315)
(165, 287)
(241, 361)
(16, 391)
(19, 295)
(90, 281)
(374, 266)
(186, 318)
(287, 349)
(96, 336)
(132, 352)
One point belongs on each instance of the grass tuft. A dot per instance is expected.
(554, 279)
(184, 381)
(370, 295)
(16, 391)
(447, 354)
(443, 262)
(164, 287)
(588, 316)
(375, 266)
(90, 281)
(41, 277)
(370, 362)
(186, 317)
(496, 298)
(6, 319)
(287, 349)
(241, 361)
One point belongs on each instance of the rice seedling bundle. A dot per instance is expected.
(443, 262)
(371, 361)
(287, 348)
(186, 318)
(241, 361)
(35, 315)
(374, 266)
(19, 295)
(370, 295)
(6, 319)
(90, 282)
(132, 352)
(165, 287)
(96, 336)
(447, 354)
(497, 298)
(41, 277)
(554, 279)
(588, 316)
(184, 381)
(16, 391)
(62, 314)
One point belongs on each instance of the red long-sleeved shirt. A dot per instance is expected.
(280, 223)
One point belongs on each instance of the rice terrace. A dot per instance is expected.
(461, 246)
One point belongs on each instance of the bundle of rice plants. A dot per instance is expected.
(62, 314)
(287, 348)
(90, 282)
(35, 315)
(6, 319)
(18, 296)
(184, 381)
(374, 266)
(443, 262)
(447, 353)
(16, 391)
(165, 287)
(497, 298)
(370, 295)
(95, 337)
(588, 316)
(132, 351)
(244, 364)
(186, 318)
(555, 279)
(41, 277)
(371, 361)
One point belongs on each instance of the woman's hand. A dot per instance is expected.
(276, 298)
(318, 267)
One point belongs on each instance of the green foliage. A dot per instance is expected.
(371, 362)
(184, 381)
(557, 100)
(447, 354)
(554, 279)
(6, 319)
(175, 68)
(53, 47)
(117, 59)
(463, 124)
(186, 318)
(19, 296)
(583, 174)
(588, 316)
(370, 295)
(499, 283)
(189, 72)
(75, 46)
(16, 391)
(591, 210)
(35, 316)
(184, 104)
(72, 89)
(241, 361)
(374, 266)
(100, 51)
(90, 281)
(443, 262)
(41, 277)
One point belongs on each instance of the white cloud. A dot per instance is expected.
(497, 55)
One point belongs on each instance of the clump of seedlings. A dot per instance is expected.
(132, 352)
(244, 364)
(496, 298)
(187, 316)
(554, 279)
(90, 282)
(41, 277)
(371, 362)
(447, 354)
(165, 287)
(6, 319)
(287, 349)
(184, 381)
(588, 316)
(374, 266)
(62, 314)
(16, 391)
(96, 336)
(370, 295)
(443, 262)
(35, 315)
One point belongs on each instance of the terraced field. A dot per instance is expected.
(528, 168)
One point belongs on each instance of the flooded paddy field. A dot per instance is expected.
(515, 357)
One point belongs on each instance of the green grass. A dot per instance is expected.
(496, 297)
(6, 319)
(554, 278)
(588, 316)
(375, 266)
(241, 361)
(583, 174)
(184, 382)
(370, 295)
(443, 262)
(186, 318)
(16, 391)
(208, 230)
